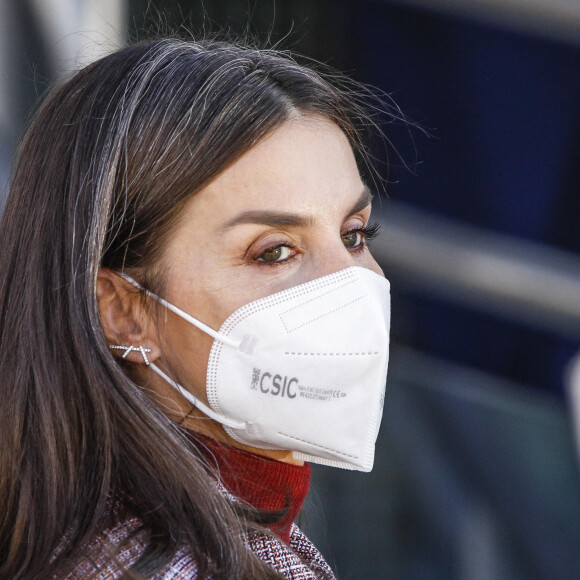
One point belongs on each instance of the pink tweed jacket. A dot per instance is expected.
(299, 560)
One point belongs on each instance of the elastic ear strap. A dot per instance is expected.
(197, 323)
(197, 403)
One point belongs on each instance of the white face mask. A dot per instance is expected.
(303, 369)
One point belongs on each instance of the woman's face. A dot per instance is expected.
(293, 208)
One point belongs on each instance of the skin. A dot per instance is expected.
(293, 208)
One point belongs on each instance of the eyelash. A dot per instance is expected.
(369, 233)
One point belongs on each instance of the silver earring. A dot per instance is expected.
(128, 349)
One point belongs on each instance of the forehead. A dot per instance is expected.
(306, 166)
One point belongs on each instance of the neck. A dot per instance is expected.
(262, 482)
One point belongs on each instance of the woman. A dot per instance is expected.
(189, 312)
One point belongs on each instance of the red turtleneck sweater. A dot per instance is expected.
(263, 483)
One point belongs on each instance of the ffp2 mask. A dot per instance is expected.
(303, 369)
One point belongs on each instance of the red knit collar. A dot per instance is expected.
(264, 483)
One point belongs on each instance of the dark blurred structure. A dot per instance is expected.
(505, 110)
(476, 475)
(474, 479)
(41, 41)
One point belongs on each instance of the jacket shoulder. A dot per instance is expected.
(116, 549)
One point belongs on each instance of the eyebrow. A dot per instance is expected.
(285, 219)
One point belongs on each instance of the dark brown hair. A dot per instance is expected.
(102, 175)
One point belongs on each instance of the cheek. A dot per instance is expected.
(187, 350)
(186, 347)
(223, 295)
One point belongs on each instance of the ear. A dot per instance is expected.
(125, 320)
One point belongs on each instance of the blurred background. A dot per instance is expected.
(476, 474)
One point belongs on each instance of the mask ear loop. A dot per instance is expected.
(232, 423)
(197, 403)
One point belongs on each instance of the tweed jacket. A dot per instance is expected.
(299, 560)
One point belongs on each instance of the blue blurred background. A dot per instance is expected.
(476, 475)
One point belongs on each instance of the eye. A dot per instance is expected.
(352, 239)
(357, 240)
(276, 254)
